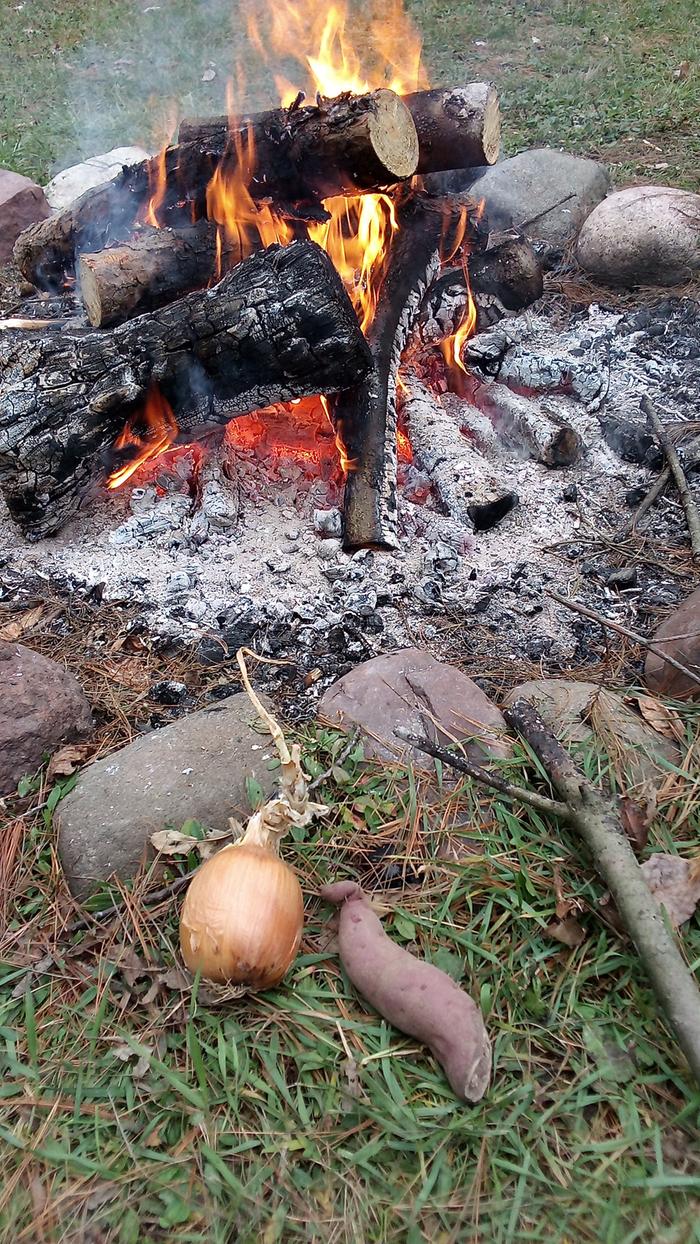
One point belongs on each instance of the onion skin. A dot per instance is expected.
(242, 917)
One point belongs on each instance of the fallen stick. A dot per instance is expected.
(674, 465)
(651, 644)
(691, 453)
(597, 822)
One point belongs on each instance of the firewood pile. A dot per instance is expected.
(228, 312)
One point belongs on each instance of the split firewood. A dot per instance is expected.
(464, 480)
(279, 326)
(504, 278)
(153, 268)
(293, 156)
(458, 127)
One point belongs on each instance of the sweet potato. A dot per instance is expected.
(411, 994)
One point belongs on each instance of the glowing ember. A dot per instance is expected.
(146, 435)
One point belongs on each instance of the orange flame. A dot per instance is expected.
(148, 433)
(157, 165)
(453, 346)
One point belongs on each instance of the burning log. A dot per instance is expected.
(279, 326)
(154, 267)
(293, 156)
(456, 128)
(463, 478)
(366, 416)
(504, 278)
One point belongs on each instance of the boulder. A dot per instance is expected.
(546, 194)
(661, 678)
(197, 768)
(645, 235)
(22, 203)
(41, 706)
(408, 689)
(71, 182)
(578, 712)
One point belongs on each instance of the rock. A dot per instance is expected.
(22, 203)
(195, 768)
(578, 712)
(662, 678)
(645, 235)
(396, 690)
(546, 194)
(41, 706)
(74, 181)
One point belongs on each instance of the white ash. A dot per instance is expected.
(237, 558)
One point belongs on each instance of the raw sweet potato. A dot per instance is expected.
(411, 994)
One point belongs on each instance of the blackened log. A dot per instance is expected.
(293, 156)
(467, 485)
(366, 416)
(457, 128)
(504, 278)
(279, 326)
(154, 267)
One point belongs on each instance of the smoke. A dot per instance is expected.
(159, 61)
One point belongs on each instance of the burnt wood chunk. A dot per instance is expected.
(279, 326)
(457, 128)
(504, 278)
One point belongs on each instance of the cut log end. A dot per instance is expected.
(393, 138)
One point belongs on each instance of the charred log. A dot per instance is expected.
(504, 278)
(366, 416)
(153, 268)
(521, 426)
(279, 326)
(293, 156)
(465, 483)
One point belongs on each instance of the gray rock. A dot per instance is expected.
(678, 637)
(406, 689)
(41, 706)
(645, 235)
(195, 768)
(546, 194)
(71, 182)
(22, 203)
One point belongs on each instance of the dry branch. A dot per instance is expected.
(674, 465)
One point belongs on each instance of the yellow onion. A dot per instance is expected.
(242, 917)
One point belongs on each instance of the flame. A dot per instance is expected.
(148, 433)
(158, 165)
(453, 346)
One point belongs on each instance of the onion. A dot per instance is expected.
(242, 917)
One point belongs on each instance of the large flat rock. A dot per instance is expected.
(41, 706)
(196, 768)
(411, 690)
(71, 182)
(544, 193)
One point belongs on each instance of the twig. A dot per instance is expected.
(323, 777)
(484, 776)
(692, 451)
(691, 510)
(598, 824)
(652, 644)
(155, 896)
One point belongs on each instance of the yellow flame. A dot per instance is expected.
(148, 433)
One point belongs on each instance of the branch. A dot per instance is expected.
(674, 463)
(483, 776)
(652, 644)
(598, 824)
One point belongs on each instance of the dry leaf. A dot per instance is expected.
(568, 931)
(675, 884)
(681, 73)
(636, 816)
(66, 760)
(661, 718)
(20, 625)
(173, 842)
(128, 672)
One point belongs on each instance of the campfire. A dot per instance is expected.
(273, 261)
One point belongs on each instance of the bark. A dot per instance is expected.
(294, 156)
(504, 278)
(366, 416)
(153, 268)
(464, 480)
(457, 128)
(598, 824)
(279, 326)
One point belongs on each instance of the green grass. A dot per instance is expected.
(147, 1112)
(597, 78)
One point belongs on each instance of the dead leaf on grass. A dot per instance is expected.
(568, 931)
(66, 760)
(636, 816)
(675, 884)
(660, 717)
(173, 842)
(21, 624)
(125, 1053)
